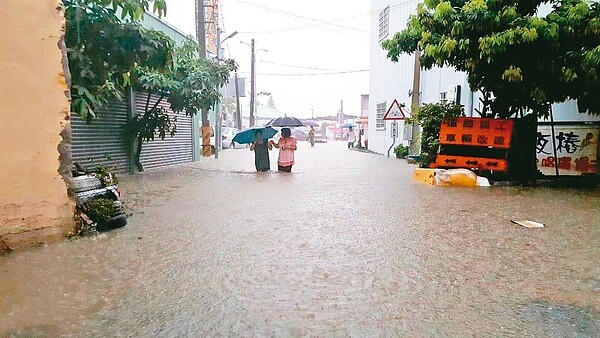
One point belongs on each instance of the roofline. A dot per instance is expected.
(171, 26)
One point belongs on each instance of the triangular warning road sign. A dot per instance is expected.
(394, 112)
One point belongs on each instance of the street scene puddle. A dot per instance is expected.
(346, 244)
(244, 168)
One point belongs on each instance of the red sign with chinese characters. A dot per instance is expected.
(477, 132)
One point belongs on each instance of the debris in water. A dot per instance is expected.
(529, 224)
(4, 248)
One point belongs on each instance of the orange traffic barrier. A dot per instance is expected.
(482, 132)
(480, 163)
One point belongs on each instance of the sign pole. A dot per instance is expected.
(394, 136)
(554, 142)
(392, 146)
(394, 113)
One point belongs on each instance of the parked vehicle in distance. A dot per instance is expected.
(227, 138)
(300, 134)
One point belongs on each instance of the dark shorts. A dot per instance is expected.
(285, 169)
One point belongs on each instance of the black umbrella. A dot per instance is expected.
(285, 121)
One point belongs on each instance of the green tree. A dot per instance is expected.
(229, 108)
(104, 48)
(521, 61)
(430, 117)
(190, 86)
(109, 51)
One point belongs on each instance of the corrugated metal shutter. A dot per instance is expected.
(172, 150)
(101, 141)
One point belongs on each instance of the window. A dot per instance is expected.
(380, 123)
(384, 23)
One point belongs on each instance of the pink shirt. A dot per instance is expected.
(286, 156)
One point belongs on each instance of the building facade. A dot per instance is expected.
(34, 205)
(102, 141)
(391, 81)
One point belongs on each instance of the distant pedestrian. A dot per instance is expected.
(311, 136)
(351, 138)
(286, 146)
(261, 153)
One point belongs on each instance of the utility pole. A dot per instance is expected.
(201, 37)
(200, 29)
(218, 106)
(253, 82)
(238, 113)
(415, 143)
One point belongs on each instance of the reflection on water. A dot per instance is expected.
(344, 245)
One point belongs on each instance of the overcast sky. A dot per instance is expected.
(302, 37)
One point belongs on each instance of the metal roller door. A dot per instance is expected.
(101, 142)
(172, 150)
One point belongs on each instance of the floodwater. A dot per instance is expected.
(345, 245)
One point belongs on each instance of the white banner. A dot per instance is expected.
(576, 149)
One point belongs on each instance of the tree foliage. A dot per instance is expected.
(104, 48)
(526, 61)
(109, 51)
(430, 117)
(229, 105)
(190, 85)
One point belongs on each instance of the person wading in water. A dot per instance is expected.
(261, 152)
(286, 146)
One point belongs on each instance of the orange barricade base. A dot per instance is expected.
(480, 163)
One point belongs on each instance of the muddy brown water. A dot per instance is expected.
(346, 245)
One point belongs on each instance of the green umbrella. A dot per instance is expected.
(249, 135)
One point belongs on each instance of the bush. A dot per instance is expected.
(430, 117)
(401, 151)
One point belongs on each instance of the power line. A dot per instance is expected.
(323, 23)
(317, 25)
(302, 67)
(294, 66)
(306, 26)
(302, 17)
(312, 74)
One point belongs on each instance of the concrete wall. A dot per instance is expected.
(34, 122)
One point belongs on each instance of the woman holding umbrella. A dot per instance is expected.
(286, 146)
(261, 152)
(257, 138)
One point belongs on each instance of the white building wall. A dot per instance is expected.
(437, 80)
(393, 80)
(388, 80)
(568, 112)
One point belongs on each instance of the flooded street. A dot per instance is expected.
(345, 245)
